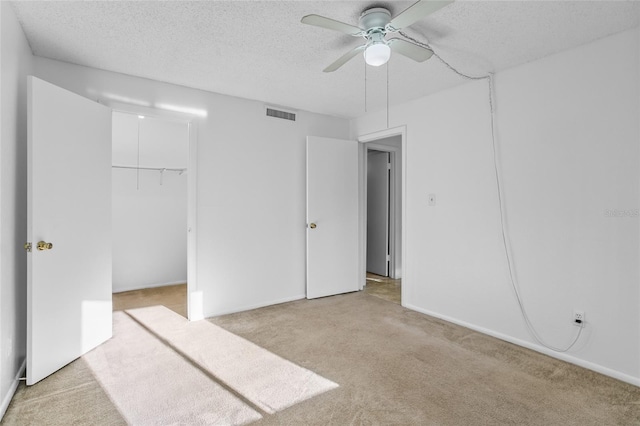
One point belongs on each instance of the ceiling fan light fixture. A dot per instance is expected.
(377, 53)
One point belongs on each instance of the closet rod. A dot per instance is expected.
(159, 169)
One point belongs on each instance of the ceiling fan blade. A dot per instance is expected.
(344, 59)
(331, 24)
(410, 50)
(415, 12)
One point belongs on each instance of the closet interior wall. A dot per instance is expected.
(149, 173)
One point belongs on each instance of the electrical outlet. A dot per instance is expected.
(578, 318)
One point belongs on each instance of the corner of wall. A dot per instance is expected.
(638, 94)
(16, 62)
(8, 396)
(3, 404)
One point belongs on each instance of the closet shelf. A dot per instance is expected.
(158, 169)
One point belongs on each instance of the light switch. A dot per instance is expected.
(432, 199)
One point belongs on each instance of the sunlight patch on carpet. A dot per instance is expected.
(267, 380)
(150, 383)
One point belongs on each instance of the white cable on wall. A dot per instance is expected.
(507, 252)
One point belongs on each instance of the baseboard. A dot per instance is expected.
(250, 307)
(141, 287)
(6, 400)
(541, 349)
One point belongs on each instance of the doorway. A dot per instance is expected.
(383, 216)
(150, 157)
(378, 206)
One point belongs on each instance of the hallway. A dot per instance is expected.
(383, 287)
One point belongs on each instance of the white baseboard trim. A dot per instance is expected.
(6, 400)
(250, 307)
(141, 287)
(561, 356)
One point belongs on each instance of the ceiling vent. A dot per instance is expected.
(285, 115)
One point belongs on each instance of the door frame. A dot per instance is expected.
(195, 308)
(368, 141)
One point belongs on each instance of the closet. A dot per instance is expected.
(149, 191)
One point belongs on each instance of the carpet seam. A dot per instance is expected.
(39, 399)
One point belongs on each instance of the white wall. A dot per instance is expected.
(251, 185)
(149, 211)
(568, 139)
(15, 65)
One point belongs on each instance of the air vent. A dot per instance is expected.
(281, 114)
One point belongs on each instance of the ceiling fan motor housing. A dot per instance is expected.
(375, 18)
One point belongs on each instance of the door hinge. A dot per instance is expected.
(388, 166)
(27, 247)
(388, 258)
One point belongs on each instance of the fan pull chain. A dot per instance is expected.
(387, 95)
(138, 160)
(365, 87)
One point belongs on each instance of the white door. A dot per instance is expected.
(69, 206)
(378, 212)
(332, 217)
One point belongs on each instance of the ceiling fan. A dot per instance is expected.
(373, 26)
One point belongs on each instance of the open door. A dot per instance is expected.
(332, 217)
(68, 227)
(378, 170)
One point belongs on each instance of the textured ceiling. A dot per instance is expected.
(260, 50)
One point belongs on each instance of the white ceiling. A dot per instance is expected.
(260, 50)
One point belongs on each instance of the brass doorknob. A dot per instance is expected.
(312, 226)
(44, 246)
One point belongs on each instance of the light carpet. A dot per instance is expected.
(153, 385)
(394, 366)
(267, 380)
